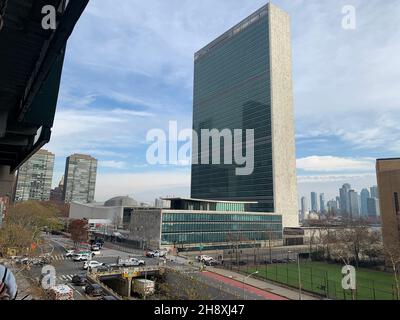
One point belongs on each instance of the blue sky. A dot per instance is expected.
(129, 69)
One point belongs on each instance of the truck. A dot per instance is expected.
(130, 262)
(60, 292)
(143, 287)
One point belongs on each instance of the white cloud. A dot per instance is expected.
(332, 178)
(334, 164)
(98, 131)
(112, 164)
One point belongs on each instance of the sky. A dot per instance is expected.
(129, 69)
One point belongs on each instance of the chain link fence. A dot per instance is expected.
(325, 282)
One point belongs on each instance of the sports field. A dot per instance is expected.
(326, 279)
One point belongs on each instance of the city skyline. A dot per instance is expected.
(348, 202)
(336, 150)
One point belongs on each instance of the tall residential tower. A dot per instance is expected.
(243, 80)
(80, 178)
(35, 177)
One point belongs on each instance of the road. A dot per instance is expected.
(66, 268)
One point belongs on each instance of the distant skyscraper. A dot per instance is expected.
(80, 178)
(314, 202)
(56, 194)
(322, 203)
(304, 207)
(374, 192)
(372, 207)
(353, 202)
(344, 200)
(35, 177)
(243, 80)
(364, 202)
(333, 207)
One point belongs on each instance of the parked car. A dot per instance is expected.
(204, 258)
(92, 264)
(94, 290)
(212, 262)
(24, 261)
(156, 254)
(108, 298)
(79, 280)
(130, 262)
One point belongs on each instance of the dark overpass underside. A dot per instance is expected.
(31, 61)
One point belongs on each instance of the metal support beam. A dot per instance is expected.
(51, 50)
(3, 122)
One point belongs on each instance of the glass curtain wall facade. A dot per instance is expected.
(183, 228)
(232, 91)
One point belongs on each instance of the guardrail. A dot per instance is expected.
(127, 270)
(107, 289)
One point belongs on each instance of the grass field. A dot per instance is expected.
(326, 279)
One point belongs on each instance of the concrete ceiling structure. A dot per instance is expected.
(31, 62)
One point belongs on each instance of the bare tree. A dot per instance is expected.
(392, 255)
(351, 242)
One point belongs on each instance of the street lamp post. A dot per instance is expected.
(299, 273)
(244, 282)
(298, 267)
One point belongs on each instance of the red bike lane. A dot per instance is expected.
(240, 285)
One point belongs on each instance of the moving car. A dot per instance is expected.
(98, 242)
(94, 290)
(79, 280)
(70, 253)
(156, 254)
(80, 257)
(103, 268)
(92, 264)
(95, 247)
(89, 253)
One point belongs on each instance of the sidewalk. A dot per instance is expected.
(291, 294)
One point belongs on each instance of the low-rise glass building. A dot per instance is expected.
(193, 224)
